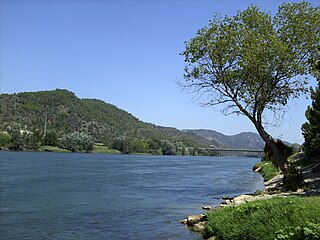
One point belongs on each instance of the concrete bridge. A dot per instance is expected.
(233, 151)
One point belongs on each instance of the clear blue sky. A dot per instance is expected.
(123, 52)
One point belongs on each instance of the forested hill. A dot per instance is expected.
(63, 112)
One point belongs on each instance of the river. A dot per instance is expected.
(101, 196)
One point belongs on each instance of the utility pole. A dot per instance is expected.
(45, 126)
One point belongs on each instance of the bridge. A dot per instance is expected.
(233, 151)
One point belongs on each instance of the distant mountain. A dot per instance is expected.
(245, 140)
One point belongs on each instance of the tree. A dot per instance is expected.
(5, 139)
(139, 146)
(254, 63)
(311, 129)
(168, 148)
(76, 142)
(50, 139)
(122, 144)
(23, 139)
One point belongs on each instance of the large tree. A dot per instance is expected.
(311, 129)
(253, 63)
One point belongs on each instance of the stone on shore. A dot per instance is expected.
(194, 219)
(199, 227)
(207, 208)
(184, 221)
(213, 238)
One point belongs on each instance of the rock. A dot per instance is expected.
(199, 227)
(228, 198)
(213, 238)
(258, 169)
(193, 219)
(207, 208)
(184, 221)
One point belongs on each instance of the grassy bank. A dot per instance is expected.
(266, 169)
(96, 149)
(103, 149)
(276, 218)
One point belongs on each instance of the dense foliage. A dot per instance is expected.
(19, 138)
(253, 63)
(311, 129)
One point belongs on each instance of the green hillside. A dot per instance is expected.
(62, 112)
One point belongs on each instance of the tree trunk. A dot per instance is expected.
(292, 179)
(279, 158)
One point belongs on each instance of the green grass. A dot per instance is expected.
(276, 218)
(103, 149)
(96, 149)
(267, 170)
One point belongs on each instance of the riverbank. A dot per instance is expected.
(247, 216)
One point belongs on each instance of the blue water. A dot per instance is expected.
(100, 196)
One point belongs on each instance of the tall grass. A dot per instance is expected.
(262, 219)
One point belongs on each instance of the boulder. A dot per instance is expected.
(194, 219)
(199, 227)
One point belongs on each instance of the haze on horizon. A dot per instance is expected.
(125, 53)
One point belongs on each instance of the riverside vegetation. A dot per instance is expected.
(58, 120)
(251, 63)
(273, 213)
(277, 218)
